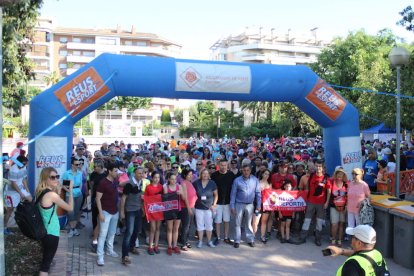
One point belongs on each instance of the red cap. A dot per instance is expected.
(19, 144)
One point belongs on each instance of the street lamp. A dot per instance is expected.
(398, 56)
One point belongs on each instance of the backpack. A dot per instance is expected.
(29, 219)
(380, 270)
(366, 213)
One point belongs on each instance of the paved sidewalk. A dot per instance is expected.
(273, 258)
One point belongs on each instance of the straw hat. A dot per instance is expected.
(339, 169)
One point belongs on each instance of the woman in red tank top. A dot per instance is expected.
(154, 189)
(173, 224)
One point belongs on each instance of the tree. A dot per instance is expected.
(19, 21)
(52, 78)
(361, 60)
(130, 103)
(165, 116)
(407, 18)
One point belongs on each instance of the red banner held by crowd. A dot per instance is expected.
(160, 207)
(276, 200)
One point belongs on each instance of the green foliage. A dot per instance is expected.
(86, 125)
(407, 18)
(52, 78)
(178, 115)
(165, 116)
(130, 103)
(19, 21)
(361, 60)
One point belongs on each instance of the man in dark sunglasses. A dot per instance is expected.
(75, 175)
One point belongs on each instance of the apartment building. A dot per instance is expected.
(264, 45)
(60, 51)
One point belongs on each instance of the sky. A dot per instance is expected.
(196, 25)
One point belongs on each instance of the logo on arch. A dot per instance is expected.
(325, 98)
(82, 91)
(190, 76)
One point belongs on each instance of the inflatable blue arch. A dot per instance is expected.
(111, 75)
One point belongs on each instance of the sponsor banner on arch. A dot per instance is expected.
(280, 200)
(325, 98)
(50, 152)
(351, 157)
(218, 78)
(82, 91)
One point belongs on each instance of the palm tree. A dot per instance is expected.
(52, 78)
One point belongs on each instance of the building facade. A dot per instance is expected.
(60, 51)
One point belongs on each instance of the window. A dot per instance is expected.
(63, 39)
(142, 43)
(156, 45)
(128, 42)
(76, 53)
(107, 41)
(88, 40)
(47, 37)
(63, 66)
(63, 53)
(76, 40)
(88, 54)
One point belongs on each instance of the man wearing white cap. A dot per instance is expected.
(363, 258)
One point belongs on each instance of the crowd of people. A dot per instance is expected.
(216, 180)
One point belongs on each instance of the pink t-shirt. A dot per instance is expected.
(191, 194)
(357, 192)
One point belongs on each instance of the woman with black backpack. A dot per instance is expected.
(48, 192)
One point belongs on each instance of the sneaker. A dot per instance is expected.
(157, 250)
(251, 244)
(264, 241)
(216, 241)
(236, 245)
(80, 225)
(268, 234)
(150, 251)
(177, 250)
(100, 261)
(169, 251)
(339, 243)
(211, 244)
(73, 232)
(346, 238)
(118, 231)
(126, 260)
(134, 251)
(112, 254)
(94, 247)
(333, 242)
(199, 244)
(227, 240)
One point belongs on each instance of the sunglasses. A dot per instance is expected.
(175, 167)
(77, 164)
(54, 177)
(199, 164)
(159, 165)
(212, 168)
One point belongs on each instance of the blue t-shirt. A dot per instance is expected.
(77, 181)
(370, 167)
(410, 160)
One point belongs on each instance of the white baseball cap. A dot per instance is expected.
(364, 233)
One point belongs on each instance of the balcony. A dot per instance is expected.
(70, 71)
(79, 59)
(160, 51)
(80, 46)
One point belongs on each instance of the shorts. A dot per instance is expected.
(337, 216)
(223, 213)
(13, 198)
(286, 218)
(311, 209)
(204, 220)
(77, 203)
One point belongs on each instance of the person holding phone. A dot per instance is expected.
(49, 186)
(363, 258)
(17, 190)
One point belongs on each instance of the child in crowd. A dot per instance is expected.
(285, 216)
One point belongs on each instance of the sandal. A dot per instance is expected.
(184, 248)
(188, 245)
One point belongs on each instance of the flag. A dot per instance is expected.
(162, 207)
(280, 200)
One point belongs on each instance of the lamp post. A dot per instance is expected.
(398, 56)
